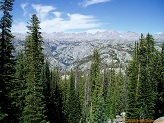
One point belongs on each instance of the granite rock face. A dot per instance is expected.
(159, 120)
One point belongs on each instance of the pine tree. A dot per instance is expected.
(85, 110)
(18, 91)
(105, 84)
(34, 106)
(147, 84)
(46, 78)
(80, 93)
(159, 111)
(142, 80)
(64, 89)
(7, 64)
(120, 92)
(96, 91)
(111, 95)
(56, 107)
(100, 114)
(74, 113)
(133, 74)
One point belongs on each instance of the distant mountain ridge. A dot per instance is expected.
(75, 49)
(103, 35)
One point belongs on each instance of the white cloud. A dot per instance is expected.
(19, 27)
(91, 2)
(23, 6)
(82, 21)
(42, 11)
(54, 21)
(57, 14)
(75, 22)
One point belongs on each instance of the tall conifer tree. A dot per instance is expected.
(74, 112)
(18, 93)
(46, 78)
(120, 92)
(147, 81)
(56, 113)
(7, 63)
(159, 111)
(105, 84)
(97, 114)
(34, 105)
(111, 95)
(142, 80)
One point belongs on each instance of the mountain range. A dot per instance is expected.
(68, 50)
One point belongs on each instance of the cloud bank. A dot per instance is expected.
(55, 21)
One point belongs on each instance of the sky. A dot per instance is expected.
(141, 16)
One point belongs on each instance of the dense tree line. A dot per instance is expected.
(31, 92)
(145, 84)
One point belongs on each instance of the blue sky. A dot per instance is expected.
(141, 16)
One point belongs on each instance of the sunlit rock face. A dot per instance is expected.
(68, 50)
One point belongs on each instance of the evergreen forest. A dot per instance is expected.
(31, 92)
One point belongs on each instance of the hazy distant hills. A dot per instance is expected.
(71, 49)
